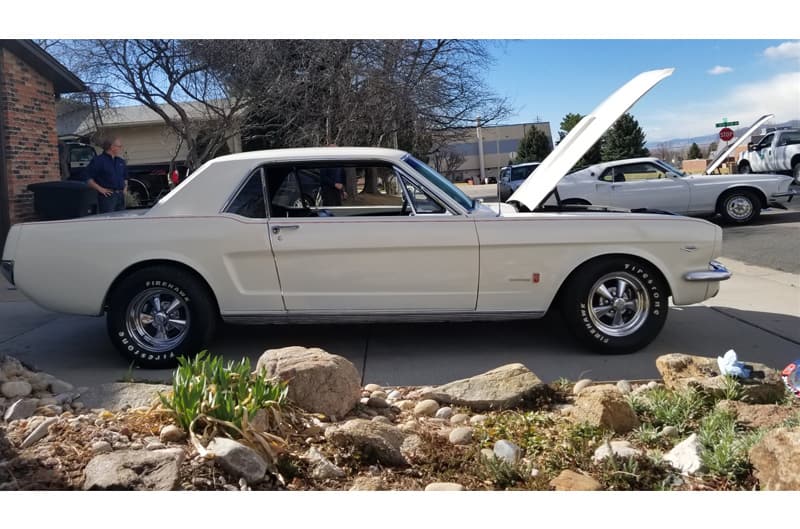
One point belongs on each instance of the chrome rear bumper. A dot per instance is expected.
(716, 272)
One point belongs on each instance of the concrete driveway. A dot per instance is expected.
(757, 313)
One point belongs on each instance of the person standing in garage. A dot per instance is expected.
(108, 175)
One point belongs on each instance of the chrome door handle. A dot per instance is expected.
(277, 229)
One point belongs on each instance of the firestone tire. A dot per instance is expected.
(160, 313)
(615, 305)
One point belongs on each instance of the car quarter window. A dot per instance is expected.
(249, 200)
(633, 172)
(790, 138)
(340, 189)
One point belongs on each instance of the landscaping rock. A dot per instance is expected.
(59, 386)
(15, 388)
(444, 413)
(367, 483)
(624, 387)
(622, 449)
(444, 486)
(134, 470)
(681, 371)
(41, 431)
(581, 385)
(382, 419)
(322, 468)
(372, 387)
(373, 440)
(377, 402)
(570, 480)
(757, 415)
(119, 395)
(405, 405)
(507, 451)
(320, 382)
(459, 418)
(426, 408)
(477, 419)
(378, 394)
(604, 406)
(101, 447)
(487, 454)
(686, 456)
(394, 395)
(461, 435)
(506, 387)
(171, 434)
(21, 409)
(776, 459)
(239, 460)
(668, 431)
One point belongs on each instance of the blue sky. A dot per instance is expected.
(713, 79)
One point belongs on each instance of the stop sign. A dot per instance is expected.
(726, 134)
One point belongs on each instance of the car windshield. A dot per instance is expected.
(673, 169)
(440, 182)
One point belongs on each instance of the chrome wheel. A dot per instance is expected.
(157, 320)
(739, 207)
(618, 304)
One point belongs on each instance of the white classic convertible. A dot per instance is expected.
(266, 237)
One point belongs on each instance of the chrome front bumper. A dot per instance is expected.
(791, 193)
(716, 272)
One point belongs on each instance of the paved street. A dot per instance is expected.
(757, 313)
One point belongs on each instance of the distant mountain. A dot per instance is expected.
(702, 141)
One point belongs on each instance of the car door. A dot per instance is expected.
(644, 185)
(760, 163)
(387, 245)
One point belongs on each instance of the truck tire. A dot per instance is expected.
(616, 304)
(744, 168)
(796, 172)
(153, 336)
(739, 206)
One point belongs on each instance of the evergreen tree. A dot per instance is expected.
(694, 152)
(534, 147)
(625, 139)
(711, 149)
(594, 154)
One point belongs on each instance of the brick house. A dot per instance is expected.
(30, 82)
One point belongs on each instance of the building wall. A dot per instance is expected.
(500, 145)
(151, 143)
(27, 108)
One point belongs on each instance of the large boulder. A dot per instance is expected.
(373, 441)
(319, 382)
(134, 470)
(508, 386)
(604, 406)
(776, 459)
(681, 372)
(757, 415)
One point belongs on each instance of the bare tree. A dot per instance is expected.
(390, 93)
(168, 79)
(447, 161)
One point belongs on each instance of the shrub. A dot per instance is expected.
(204, 386)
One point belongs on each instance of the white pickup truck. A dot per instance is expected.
(776, 152)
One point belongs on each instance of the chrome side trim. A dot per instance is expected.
(717, 272)
(372, 317)
(789, 193)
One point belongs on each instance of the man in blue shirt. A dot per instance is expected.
(108, 175)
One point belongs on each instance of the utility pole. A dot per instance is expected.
(480, 150)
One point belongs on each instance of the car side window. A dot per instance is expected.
(766, 141)
(790, 138)
(344, 190)
(249, 201)
(633, 173)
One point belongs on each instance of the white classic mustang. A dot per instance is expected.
(269, 237)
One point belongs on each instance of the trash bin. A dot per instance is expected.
(63, 199)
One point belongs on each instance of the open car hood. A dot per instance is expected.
(723, 155)
(580, 139)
